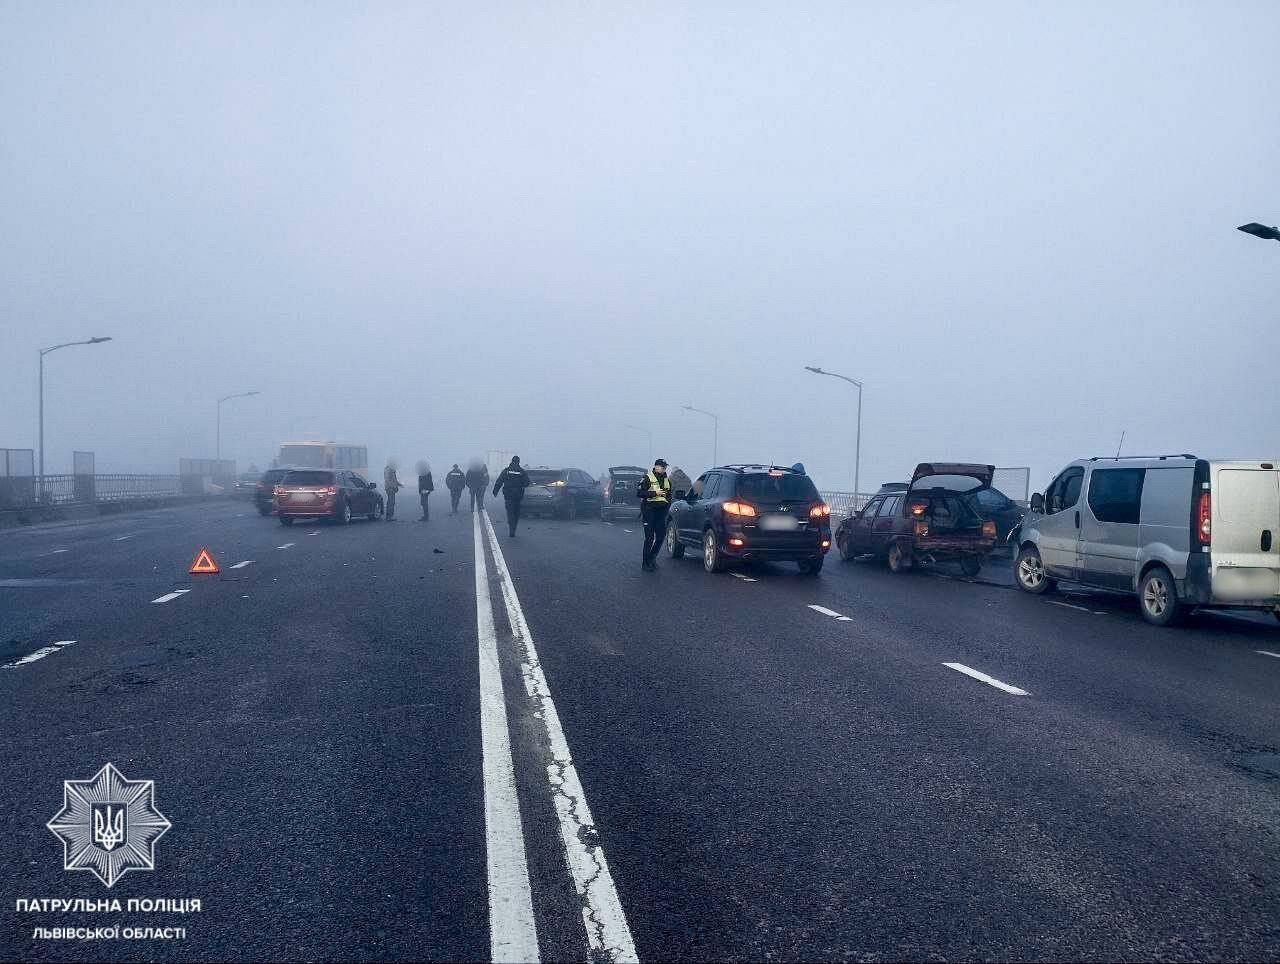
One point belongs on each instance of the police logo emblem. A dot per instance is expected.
(108, 825)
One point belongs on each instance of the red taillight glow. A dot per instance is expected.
(988, 529)
(820, 511)
(330, 490)
(917, 509)
(740, 509)
(1204, 518)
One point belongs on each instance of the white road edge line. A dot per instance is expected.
(608, 935)
(171, 595)
(1267, 652)
(824, 610)
(241, 565)
(513, 935)
(983, 677)
(40, 653)
(286, 545)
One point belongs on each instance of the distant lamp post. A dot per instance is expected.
(1260, 231)
(637, 428)
(218, 451)
(715, 436)
(857, 445)
(44, 351)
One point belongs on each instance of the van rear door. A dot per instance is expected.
(1245, 531)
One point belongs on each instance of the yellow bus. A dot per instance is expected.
(313, 454)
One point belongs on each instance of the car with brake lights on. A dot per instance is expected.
(562, 493)
(751, 513)
(619, 491)
(937, 518)
(334, 494)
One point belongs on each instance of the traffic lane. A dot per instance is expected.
(315, 749)
(766, 785)
(1204, 683)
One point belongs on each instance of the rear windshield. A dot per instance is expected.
(274, 475)
(952, 483)
(308, 478)
(788, 487)
(541, 476)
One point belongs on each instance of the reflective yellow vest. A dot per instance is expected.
(664, 489)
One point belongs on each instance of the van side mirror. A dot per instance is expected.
(1037, 502)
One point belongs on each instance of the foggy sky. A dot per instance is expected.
(441, 229)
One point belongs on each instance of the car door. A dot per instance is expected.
(882, 525)
(1059, 527)
(700, 510)
(1109, 516)
(361, 494)
(860, 525)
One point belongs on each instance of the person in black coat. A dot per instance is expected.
(512, 483)
(477, 482)
(425, 488)
(455, 482)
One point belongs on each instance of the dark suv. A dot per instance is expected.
(264, 491)
(751, 512)
(560, 492)
(326, 494)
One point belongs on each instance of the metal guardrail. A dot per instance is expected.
(845, 503)
(28, 492)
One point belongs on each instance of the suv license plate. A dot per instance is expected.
(778, 522)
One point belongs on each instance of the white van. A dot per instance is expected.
(1178, 531)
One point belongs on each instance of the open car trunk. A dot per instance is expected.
(941, 495)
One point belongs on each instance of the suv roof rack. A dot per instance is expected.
(1121, 458)
(741, 466)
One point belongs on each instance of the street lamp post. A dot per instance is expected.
(1260, 231)
(715, 437)
(218, 449)
(637, 428)
(96, 340)
(857, 445)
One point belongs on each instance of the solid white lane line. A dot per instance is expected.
(286, 545)
(608, 934)
(738, 575)
(513, 935)
(1267, 652)
(824, 610)
(40, 653)
(989, 680)
(241, 565)
(171, 595)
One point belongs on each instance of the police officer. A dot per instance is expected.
(655, 499)
(512, 482)
(455, 482)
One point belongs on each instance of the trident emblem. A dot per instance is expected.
(108, 830)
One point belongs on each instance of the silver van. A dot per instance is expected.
(1178, 531)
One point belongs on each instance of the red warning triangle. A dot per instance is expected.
(203, 562)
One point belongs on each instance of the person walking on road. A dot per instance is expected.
(477, 482)
(512, 482)
(455, 482)
(655, 499)
(425, 488)
(391, 485)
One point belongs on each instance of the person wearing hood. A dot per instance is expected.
(512, 483)
(455, 482)
(391, 485)
(425, 488)
(477, 482)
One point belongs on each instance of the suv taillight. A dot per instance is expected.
(820, 511)
(330, 490)
(740, 508)
(1204, 518)
(988, 529)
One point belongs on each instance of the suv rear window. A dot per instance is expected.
(308, 478)
(274, 475)
(543, 476)
(787, 487)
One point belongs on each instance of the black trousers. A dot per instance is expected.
(391, 503)
(477, 499)
(454, 496)
(513, 514)
(655, 527)
(423, 497)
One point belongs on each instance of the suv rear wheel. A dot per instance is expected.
(1028, 570)
(675, 548)
(1158, 597)
(712, 558)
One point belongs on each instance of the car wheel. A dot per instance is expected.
(1158, 597)
(675, 548)
(378, 509)
(286, 520)
(712, 559)
(846, 548)
(344, 514)
(899, 557)
(810, 567)
(971, 565)
(1028, 572)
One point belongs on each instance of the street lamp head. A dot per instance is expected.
(1260, 231)
(99, 339)
(814, 369)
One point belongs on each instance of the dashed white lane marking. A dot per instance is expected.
(738, 575)
(316, 533)
(171, 595)
(608, 935)
(286, 545)
(40, 653)
(122, 538)
(983, 677)
(513, 935)
(1267, 652)
(241, 565)
(829, 612)
(54, 552)
(628, 530)
(608, 523)
(1067, 605)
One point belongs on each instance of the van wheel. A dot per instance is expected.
(1028, 572)
(1158, 598)
(675, 548)
(971, 565)
(712, 559)
(899, 557)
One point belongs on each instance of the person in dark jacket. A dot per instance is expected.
(477, 482)
(455, 482)
(512, 483)
(425, 487)
(391, 485)
(655, 499)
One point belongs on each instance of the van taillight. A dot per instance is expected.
(1204, 518)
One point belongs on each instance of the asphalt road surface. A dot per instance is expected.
(392, 741)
